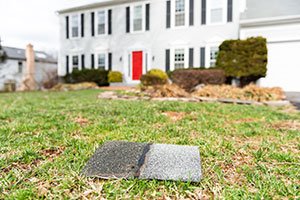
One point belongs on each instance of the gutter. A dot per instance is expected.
(270, 21)
(95, 5)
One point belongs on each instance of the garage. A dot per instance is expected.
(283, 37)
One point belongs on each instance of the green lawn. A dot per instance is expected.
(247, 152)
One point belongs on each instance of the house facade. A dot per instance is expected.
(133, 36)
(13, 67)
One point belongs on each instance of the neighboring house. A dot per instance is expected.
(13, 67)
(133, 36)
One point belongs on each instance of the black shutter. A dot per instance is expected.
(168, 14)
(93, 61)
(202, 57)
(93, 24)
(67, 27)
(82, 61)
(229, 11)
(147, 17)
(109, 61)
(127, 19)
(167, 60)
(203, 12)
(109, 22)
(67, 64)
(82, 25)
(191, 58)
(191, 12)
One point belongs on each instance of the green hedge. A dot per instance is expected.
(243, 58)
(98, 76)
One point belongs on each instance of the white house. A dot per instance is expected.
(133, 36)
(13, 66)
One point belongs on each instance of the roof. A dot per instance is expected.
(19, 54)
(257, 9)
(95, 4)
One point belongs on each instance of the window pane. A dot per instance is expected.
(180, 5)
(101, 23)
(101, 61)
(75, 27)
(179, 59)
(138, 18)
(180, 13)
(75, 62)
(213, 55)
(216, 15)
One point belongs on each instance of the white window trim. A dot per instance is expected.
(97, 57)
(71, 62)
(70, 25)
(172, 57)
(143, 17)
(224, 17)
(207, 54)
(187, 16)
(97, 20)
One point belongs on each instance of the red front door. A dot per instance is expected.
(137, 65)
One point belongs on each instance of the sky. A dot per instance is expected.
(33, 21)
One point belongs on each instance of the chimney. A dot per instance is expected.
(29, 83)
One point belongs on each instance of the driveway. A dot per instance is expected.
(294, 98)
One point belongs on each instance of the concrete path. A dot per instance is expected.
(294, 98)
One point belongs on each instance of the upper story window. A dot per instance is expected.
(101, 24)
(138, 18)
(75, 26)
(213, 56)
(179, 12)
(20, 66)
(179, 59)
(217, 11)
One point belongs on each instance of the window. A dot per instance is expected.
(179, 59)
(138, 18)
(75, 26)
(75, 62)
(101, 23)
(180, 13)
(101, 61)
(216, 11)
(213, 56)
(20, 67)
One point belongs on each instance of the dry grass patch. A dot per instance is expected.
(174, 116)
(289, 125)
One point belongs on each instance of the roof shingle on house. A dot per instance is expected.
(257, 9)
(19, 54)
(95, 4)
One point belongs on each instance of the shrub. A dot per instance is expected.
(190, 78)
(159, 73)
(244, 59)
(98, 76)
(148, 80)
(115, 77)
(154, 77)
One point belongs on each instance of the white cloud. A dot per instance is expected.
(32, 21)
